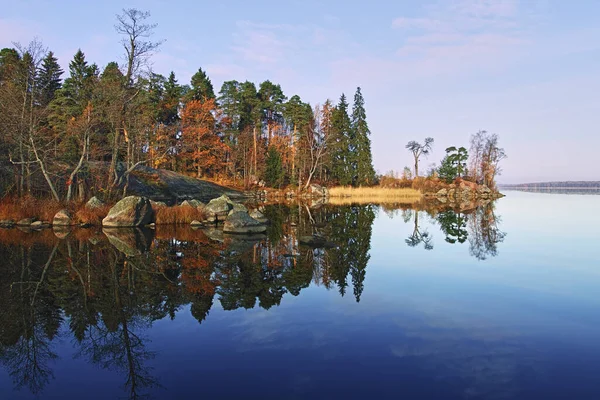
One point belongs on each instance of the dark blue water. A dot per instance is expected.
(501, 302)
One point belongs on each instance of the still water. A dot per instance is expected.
(500, 302)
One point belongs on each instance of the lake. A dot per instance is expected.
(500, 302)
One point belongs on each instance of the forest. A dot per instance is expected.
(55, 124)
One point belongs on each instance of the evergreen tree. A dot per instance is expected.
(274, 168)
(365, 173)
(342, 159)
(49, 79)
(201, 87)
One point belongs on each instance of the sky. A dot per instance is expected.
(527, 70)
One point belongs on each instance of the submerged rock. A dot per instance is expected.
(315, 241)
(63, 218)
(131, 211)
(241, 222)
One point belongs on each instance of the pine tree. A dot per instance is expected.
(365, 173)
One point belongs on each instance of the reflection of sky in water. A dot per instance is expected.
(430, 324)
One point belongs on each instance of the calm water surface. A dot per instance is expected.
(499, 303)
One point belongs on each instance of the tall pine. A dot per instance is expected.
(342, 158)
(365, 173)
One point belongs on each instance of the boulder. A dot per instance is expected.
(130, 212)
(318, 191)
(257, 215)
(40, 225)
(241, 222)
(26, 222)
(63, 218)
(157, 204)
(196, 223)
(218, 208)
(192, 203)
(237, 207)
(7, 223)
(94, 202)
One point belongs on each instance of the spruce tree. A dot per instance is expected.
(201, 87)
(49, 79)
(342, 159)
(274, 172)
(364, 171)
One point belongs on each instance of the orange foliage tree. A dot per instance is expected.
(202, 144)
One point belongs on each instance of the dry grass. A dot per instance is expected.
(94, 216)
(29, 207)
(177, 215)
(350, 195)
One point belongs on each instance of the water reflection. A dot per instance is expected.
(108, 287)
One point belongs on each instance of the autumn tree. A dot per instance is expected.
(201, 142)
(486, 156)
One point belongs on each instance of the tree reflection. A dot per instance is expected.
(107, 288)
(418, 235)
(454, 226)
(484, 232)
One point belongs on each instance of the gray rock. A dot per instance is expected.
(63, 218)
(26, 222)
(38, 225)
(218, 208)
(94, 202)
(196, 223)
(157, 204)
(241, 222)
(237, 207)
(318, 191)
(7, 223)
(257, 215)
(193, 203)
(130, 212)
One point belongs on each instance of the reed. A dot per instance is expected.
(28, 207)
(352, 195)
(177, 215)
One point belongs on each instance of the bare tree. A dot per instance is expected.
(418, 150)
(486, 156)
(138, 49)
(317, 143)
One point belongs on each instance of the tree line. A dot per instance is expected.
(481, 166)
(53, 129)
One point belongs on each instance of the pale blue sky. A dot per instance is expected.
(525, 69)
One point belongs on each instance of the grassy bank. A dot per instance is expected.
(347, 195)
